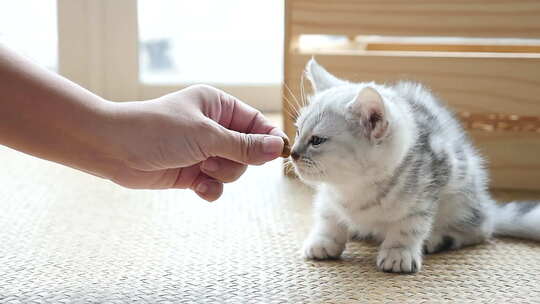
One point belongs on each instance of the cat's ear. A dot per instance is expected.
(368, 106)
(320, 79)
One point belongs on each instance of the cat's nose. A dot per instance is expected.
(295, 155)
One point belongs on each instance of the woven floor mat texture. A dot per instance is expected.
(67, 237)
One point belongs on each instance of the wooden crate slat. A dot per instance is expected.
(474, 84)
(513, 158)
(459, 18)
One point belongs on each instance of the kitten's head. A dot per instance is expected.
(341, 131)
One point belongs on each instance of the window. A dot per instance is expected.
(29, 27)
(231, 42)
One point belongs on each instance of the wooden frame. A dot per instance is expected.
(476, 82)
(98, 46)
(458, 18)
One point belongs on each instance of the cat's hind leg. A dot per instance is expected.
(468, 225)
(452, 239)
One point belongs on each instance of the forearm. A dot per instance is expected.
(51, 117)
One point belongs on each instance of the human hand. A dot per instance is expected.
(196, 138)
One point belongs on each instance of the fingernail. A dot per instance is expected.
(202, 188)
(272, 145)
(210, 165)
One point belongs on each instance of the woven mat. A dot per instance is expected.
(67, 237)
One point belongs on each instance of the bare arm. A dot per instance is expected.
(50, 117)
(196, 138)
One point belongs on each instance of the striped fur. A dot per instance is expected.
(422, 187)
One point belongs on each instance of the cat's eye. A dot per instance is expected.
(316, 140)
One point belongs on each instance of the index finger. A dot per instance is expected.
(239, 116)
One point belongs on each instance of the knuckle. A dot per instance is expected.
(204, 91)
(204, 126)
(210, 138)
(258, 114)
(201, 88)
(256, 118)
(246, 142)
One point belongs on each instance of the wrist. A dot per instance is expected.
(101, 153)
(120, 136)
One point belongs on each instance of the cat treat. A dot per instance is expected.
(286, 148)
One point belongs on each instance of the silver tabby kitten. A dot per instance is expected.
(391, 163)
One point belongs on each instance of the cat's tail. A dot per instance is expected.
(517, 219)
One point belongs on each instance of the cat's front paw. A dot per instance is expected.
(320, 247)
(400, 260)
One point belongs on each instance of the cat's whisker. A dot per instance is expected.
(289, 169)
(291, 106)
(298, 103)
(317, 166)
(311, 164)
(291, 93)
(302, 91)
(292, 116)
(286, 109)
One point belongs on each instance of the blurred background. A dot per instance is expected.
(30, 27)
(140, 49)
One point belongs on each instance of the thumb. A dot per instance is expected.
(249, 149)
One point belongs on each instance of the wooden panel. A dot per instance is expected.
(459, 18)
(122, 50)
(453, 48)
(79, 55)
(507, 195)
(288, 40)
(474, 83)
(98, 46)
(478, 83)
(513, 158)
(441, 44)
